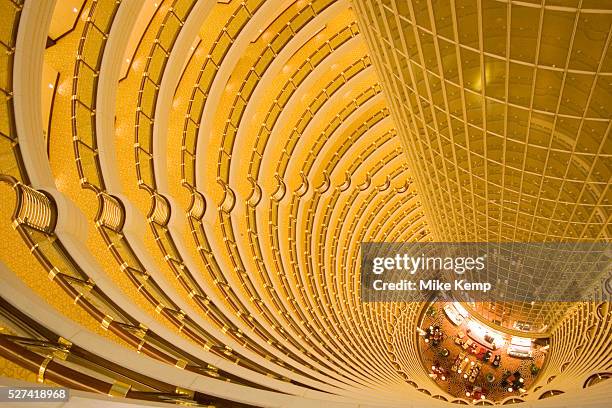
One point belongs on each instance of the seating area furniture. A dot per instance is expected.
(458, 362)
(464, 365)
(474, 372)
(476, 393)
(519, 347)
(452, 314)
(513, 381)
(434, 335)
(483, 338)
(438, 371)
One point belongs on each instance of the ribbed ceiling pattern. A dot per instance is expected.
(192, 228)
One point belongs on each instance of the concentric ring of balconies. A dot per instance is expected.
(262, 284)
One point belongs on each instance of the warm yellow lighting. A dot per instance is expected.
(275, 115)
(64, 88)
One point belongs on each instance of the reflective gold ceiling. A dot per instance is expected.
(504, 111)
(504, 108)
(192, 211)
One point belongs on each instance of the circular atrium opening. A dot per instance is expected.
(471, 360)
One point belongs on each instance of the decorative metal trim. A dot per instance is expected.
(106, 322)
(42, 368)
(35, 209)
(119, 389)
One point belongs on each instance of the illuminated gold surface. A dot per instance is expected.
(309, 165)
(508, 143)
(503, 108)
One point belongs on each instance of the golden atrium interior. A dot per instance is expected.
(186, 185)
